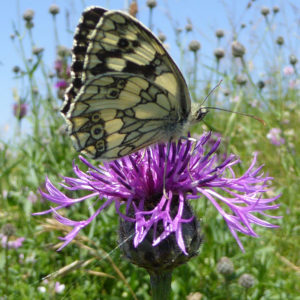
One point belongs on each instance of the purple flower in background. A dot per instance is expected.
(294, 84)
(32, 197)
(275, 138)
(59, 288)
(288, 70)
(61, 84)
(20, 110)
(58, 65)
(136, 183)
(11, 244)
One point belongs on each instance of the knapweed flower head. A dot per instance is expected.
(274, 135)
(152, 187)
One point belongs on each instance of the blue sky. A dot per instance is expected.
(205, 15)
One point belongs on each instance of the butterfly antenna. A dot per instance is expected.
(238, 113)
(211, 91)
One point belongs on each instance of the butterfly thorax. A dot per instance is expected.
(174, 127)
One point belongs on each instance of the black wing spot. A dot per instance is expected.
(113, 93)
(123, 43)
(77, 82)
(77, 66)
(147, 70)
(135, 44)
(98, 69)
(79, 49)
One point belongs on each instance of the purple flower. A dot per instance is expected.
(294, 84)
(288, 70)
(32, 197)
(191, 172)
(11, 244)
(20, 110)
(59, 288)
(274, 135)
(58, 65)
(61, 84)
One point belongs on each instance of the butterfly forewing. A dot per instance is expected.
(126, 93)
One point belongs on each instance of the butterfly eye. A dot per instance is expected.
(113, 93)
(201, 113)
(97, 131)
(95, 117)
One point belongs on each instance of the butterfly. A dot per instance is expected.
(126, 91)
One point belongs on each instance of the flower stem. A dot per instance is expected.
(161, 285)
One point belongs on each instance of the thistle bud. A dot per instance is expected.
(16, 69)
(246, 281)
(28, 15)
(265, 11)
(261, 84)
(219, 53)
(151, 3)
(241, 79)
(53, 9)
(189, 26)
(280, 41)
(225, 266)
(194, 46)
(219, 33)
(293, 60)
(8, 229)
(37, 50)
(275, 9)
(238, 50)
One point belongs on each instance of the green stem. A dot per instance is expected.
(195, 69)
(161, 285)
(230, 124)
(55, 32)
(150, 18)
(6, 267)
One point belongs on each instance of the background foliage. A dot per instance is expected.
(263, 82)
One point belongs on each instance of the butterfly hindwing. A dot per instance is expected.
(116, 114)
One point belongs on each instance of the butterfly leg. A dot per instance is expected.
(188, 138)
